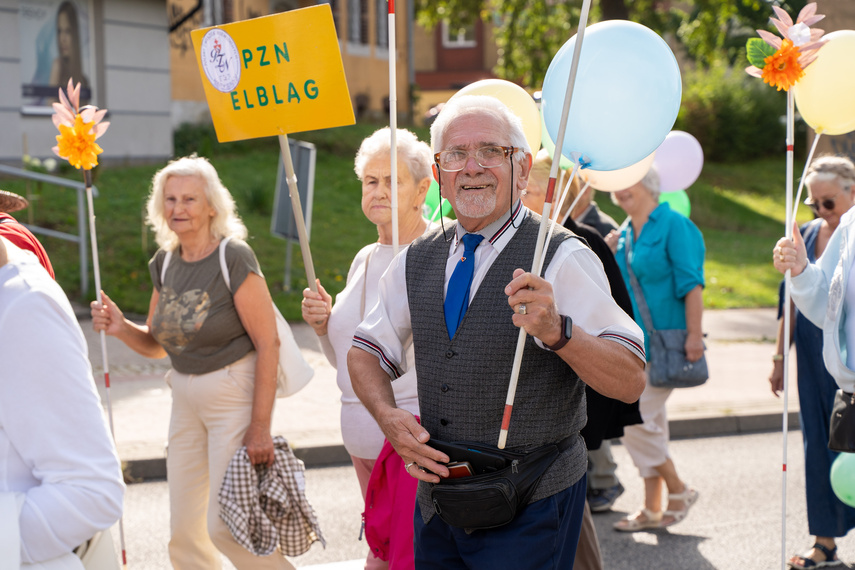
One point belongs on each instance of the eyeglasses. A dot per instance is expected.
(489, 156)
(827, 203)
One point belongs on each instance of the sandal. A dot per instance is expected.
(689, 497)
(635, 522)
(802, 561)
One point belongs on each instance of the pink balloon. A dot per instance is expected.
(679, 160)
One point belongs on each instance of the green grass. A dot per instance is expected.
(738, 207)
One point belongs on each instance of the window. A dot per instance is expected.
(357, 22)
(382, 12)
(334, 7)
(457, 35)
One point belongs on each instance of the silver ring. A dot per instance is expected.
(521, 308)
(408, 465)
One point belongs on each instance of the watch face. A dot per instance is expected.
(568, 327)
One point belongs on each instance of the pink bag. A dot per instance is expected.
(390, 501)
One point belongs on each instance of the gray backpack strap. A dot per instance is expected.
(223, 268)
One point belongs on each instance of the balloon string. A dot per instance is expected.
(546, 212)
(436, 213)
(804, 174)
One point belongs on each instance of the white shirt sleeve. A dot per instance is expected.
(54, 442)
(582, 292)
(386, 331)
(579, 284)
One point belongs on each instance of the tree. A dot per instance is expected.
(529, 33)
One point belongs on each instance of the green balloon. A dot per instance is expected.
(679, 201)
(549, 145)
(843, 478)
(432, 203)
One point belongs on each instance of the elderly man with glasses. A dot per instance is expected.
(460, 294)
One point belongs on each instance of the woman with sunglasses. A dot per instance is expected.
(830, 182)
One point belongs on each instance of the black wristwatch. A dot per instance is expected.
(566, 333)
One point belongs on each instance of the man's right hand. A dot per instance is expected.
(409, 439)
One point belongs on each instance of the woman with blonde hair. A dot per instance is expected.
(224, 351)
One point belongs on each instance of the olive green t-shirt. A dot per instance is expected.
(195, 319)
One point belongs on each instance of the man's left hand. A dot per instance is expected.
(533, 303)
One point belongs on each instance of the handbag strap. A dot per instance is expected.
(636, 287)
(223, 269)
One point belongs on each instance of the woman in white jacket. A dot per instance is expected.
(822, 292)
(823, 295)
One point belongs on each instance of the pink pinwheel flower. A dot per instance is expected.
(784, 66)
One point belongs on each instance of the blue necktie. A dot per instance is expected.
(457, 296)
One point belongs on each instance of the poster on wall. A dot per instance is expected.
(55, 46)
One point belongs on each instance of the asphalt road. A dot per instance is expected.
(736, 523)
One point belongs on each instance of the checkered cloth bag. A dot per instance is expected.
(266, 507)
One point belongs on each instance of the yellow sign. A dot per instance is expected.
(274, 75)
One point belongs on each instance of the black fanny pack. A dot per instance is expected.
(491, 498)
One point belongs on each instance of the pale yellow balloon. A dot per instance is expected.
(518, 101)
(825, 96)
(616, 180)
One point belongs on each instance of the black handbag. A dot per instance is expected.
(667, 366)
(493, 499)
(841, 429)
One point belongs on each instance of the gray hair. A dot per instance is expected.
(225, 222)
(478, 105)
(828, 168)
(415, 153)
(651, 182)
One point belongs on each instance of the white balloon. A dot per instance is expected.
(616, 180)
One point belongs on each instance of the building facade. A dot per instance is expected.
(117, 49)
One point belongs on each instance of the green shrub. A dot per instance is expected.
(735, 117)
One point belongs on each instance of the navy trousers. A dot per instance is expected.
(543, 536)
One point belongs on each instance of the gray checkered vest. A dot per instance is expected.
(463, 382)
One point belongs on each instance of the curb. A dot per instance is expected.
(141, 470)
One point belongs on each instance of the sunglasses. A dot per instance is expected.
(827, 203)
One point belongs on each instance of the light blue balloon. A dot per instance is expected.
(626, 96)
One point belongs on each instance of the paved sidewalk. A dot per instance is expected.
(736, 399)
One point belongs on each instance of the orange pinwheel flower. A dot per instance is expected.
(77, 144)
(782, 69)
(78, 129)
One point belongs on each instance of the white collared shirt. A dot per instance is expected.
(577, 277)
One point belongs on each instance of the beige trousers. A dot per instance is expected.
(588, 553)
(210, 415)
(647, 443)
